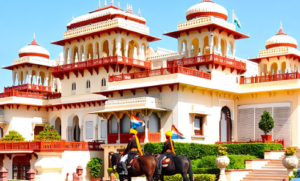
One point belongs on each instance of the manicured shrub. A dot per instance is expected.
(13, 136)
(266, 124)
(197, 151)
(236, 162)
(198, 177)
(48, 134)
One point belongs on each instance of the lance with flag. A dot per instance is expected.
(235, 20)
(136, 122)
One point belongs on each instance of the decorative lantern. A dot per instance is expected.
(31, 174)
(79, 170)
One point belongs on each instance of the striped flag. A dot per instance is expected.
(176, 134)
(236, 21)
(136, 122)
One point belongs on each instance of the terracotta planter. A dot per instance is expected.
(290, 163)
(266, 137)
(96, 179)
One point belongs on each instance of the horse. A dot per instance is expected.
(142, 165)
(178, 164)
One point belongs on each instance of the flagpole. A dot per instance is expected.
(232, 16)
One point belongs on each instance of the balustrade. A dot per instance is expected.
(269, 78)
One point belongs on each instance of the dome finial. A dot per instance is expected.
(139, 12)
(105, 3)
(99, 5)
(119, 6)
(34, 36)
(281, 25)
(112, 2)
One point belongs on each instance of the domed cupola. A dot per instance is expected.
(206, 8)
(281, 40)
(34, 49)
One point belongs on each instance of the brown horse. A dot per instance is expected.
(142, 165)
(179, 164)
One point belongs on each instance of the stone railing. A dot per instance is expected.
(205, 21)
(144, 100)
(163, 56)
(107, 25)
(273, 51)
(34, 60)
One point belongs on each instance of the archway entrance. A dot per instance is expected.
(76, 129)
(58, 125)
(21, 165)
(225, 125)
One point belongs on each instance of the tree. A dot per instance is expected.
(266, 123)
(13, 136)
(48, 134)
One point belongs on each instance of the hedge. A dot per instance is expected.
(197, 151)
(198, 177)
(236, 162)
(254, 149)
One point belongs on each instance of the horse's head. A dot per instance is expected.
(114, 160)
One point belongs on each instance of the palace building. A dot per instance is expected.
(108, 71)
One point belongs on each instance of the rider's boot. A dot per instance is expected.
(124, 172)
(160, 166)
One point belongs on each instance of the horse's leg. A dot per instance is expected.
(122, 178)
(185, 177)
(128, 178)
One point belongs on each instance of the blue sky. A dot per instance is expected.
(48, 19)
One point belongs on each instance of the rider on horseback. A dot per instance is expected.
(168, 150)
(133, 148)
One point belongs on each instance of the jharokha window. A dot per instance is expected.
(198, 126)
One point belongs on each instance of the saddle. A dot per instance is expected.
(166, 161)
(131, 162)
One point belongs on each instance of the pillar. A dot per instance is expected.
(29, 78)
(100, 50)
(65, 55)
(70, 59)
(79, 54)
(201, 44)
(219, 46)
(119, 131)
(37, 78)
(94, 56)
(146, 129)
(46, 81)
(111, 48)
(179, 47)
(81, 133)
(8, 164)
(118, 46)
(211, 43)
(14, 78)
(32, 162)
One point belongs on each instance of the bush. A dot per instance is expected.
(253, 149)
(236, 162)
(198, 177)
(290, 151)
(13, 136)
(266, 124)
(110, 171)
(48, 134)
(95, 166)
(197, 151)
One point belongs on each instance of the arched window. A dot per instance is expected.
(140, 129)
(103, 82)
(126, 124)
(154, 123)
(88, 84)
(73, 86)
(113, 125)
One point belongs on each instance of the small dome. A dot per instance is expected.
(206, 8)
(34, 49)
(281, 39)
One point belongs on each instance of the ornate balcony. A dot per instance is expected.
(270, 78)
(50, 146)
(137, 27)
(28, 87)
(214, 60)
(15, 93)
(159, 72)
(115, 62)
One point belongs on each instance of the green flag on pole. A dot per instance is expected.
(236, 21)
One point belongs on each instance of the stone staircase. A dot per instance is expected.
(272, 171)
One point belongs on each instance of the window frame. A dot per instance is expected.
(199, 131)
(88, 84)
(103, 82)
(92, 130)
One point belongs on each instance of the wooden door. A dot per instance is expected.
(37, 130)
(21, 165)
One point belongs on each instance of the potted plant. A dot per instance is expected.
(290, 161)
(222, 161)
(266, 124)
(94, 167)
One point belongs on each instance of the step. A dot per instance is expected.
(267, 174)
